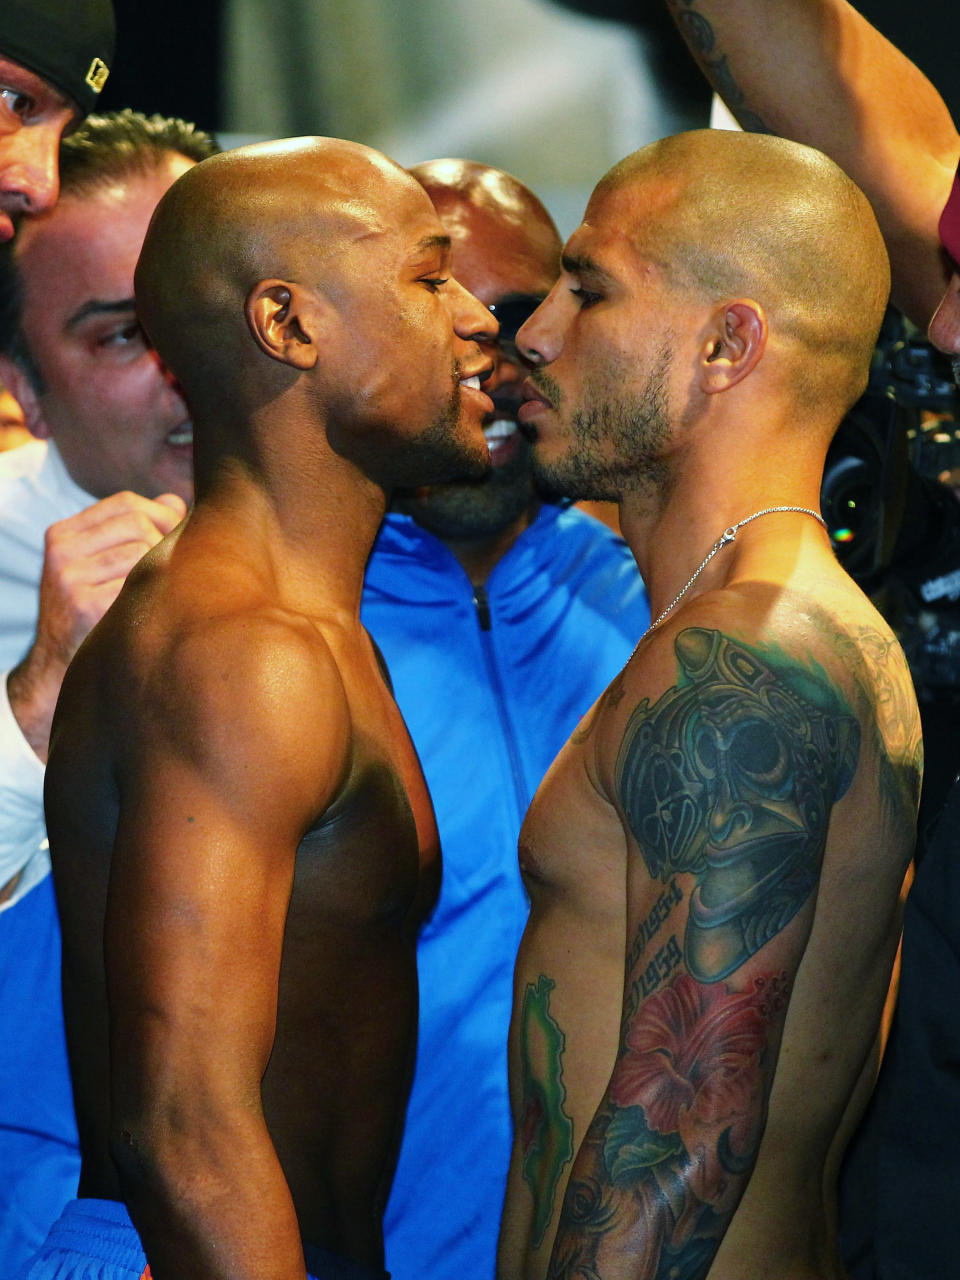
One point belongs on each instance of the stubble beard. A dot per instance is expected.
(474, 509)
(618, 442)
(442, 452)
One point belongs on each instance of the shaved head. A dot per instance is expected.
(452, 183)
(290, 210)
(728, 214)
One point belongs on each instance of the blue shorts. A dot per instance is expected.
(95, 1240)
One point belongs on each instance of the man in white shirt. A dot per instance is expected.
(109, 476)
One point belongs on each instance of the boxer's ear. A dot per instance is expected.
(283, 320)
(733, 344)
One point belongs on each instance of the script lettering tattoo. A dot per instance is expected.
(546, 1131)
(700, 36)
(730, 775)
(648, 928)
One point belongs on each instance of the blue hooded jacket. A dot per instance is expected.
(491, 684)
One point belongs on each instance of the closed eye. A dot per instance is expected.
(435, 283)
(585, 297)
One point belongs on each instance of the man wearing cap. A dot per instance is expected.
(843, 88)
(55, 57)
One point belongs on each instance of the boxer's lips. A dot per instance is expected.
(534, 402)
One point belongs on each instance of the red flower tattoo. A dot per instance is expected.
(694, 1052)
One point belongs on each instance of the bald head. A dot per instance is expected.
(729, 214)
(293, 210)
(459, 187)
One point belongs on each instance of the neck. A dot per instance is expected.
(671, 543)
(314, 525)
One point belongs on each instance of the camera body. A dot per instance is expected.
(890, 507)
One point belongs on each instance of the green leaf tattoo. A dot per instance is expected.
(546, 1131)
(631, 1147)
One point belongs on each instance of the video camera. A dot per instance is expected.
(893, 517)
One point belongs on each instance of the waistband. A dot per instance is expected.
(103, 1229)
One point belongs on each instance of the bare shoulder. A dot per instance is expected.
(770, 682)
(249, 699)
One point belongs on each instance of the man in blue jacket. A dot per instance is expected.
(480, 596)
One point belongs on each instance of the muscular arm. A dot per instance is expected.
(817, 72)
(213, 807)
(726, 784)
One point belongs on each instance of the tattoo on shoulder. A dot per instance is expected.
(730, 775)
(701, 38)
(546, 1131)
(884, 679)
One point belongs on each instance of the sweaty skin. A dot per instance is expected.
(241, 837)
(715, 859)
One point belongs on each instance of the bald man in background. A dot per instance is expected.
(715, 860)
(478, 593)
(242, 842)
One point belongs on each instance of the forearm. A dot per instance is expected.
(32, 689)
(817, 72)
(208, 1197)
(638, 1204)
(23, 856)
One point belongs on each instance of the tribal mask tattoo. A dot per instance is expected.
(730, 775)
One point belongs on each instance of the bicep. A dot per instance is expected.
(214, 798)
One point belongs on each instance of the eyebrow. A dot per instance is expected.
(32, 84)
(95, 307)
(582, 264)
(429, 243)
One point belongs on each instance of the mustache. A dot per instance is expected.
(546, 385)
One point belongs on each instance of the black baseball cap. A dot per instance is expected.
(69, 43)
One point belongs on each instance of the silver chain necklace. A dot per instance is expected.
(728, 535)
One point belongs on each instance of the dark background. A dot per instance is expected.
(169, 52)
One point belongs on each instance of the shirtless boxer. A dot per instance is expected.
(715, 860)
(239, 979)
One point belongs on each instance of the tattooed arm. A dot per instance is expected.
(726, 785)
(817, 72)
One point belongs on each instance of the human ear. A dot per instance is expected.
(282, 320)
(733, 343)
(17, 382)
